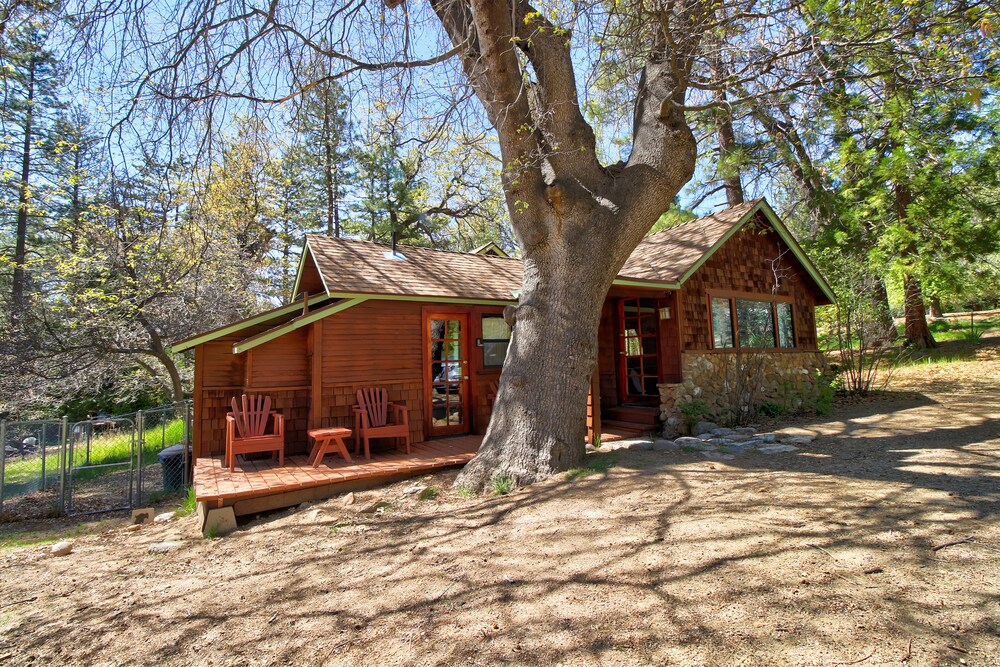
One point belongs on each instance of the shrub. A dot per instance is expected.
(770, 409)
(503, 484)
(695, 410)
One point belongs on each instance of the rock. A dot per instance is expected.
(165, 547)
(134, 527)
(738, 447)
(706, 436)
(313, 517)
(63, 548)
(718, 456)
(348, 499)
(739, 437)
(641, 445)
(591, 448)
(777, 449)
(745, 430)
(304, 506)
(414, 490)
(694, 443)
(767, 437)
(664, 446)
(703, 427)
(376, 508)
(798, 440)
(165, 517)
(722, 432)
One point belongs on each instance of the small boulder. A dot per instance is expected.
(718, 456)
(63, 548)
(777, 449)
(767, 437)
(798, 440)
(703, 427)
(165, 546)
(745, 430)
(414, 490)
(694, 443)
(165, 517)
(641, 445)
(722, 432)
(134, 527)
(348, 499)
(664, 446)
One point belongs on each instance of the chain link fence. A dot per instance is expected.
(57, 467)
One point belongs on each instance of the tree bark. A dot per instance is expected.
(918, 334)
(883, 314)
(936, 309)
(21, 235)
(576, 220)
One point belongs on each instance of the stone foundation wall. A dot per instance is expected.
(791, 380)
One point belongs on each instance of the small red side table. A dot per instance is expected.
(328, 441)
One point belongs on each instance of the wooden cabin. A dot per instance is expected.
(428, 326)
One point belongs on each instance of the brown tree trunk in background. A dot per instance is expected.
(883, 314)
(24, 188)
(727, 144)
(918, 334)
(936, 310)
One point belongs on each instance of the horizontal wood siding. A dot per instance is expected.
(282, 362)
(743, 265)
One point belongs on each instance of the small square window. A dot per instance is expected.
(496, 340)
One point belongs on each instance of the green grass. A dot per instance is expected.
(503, 484)
(24, 475)
(430, 493)
(465, 492)
(961, 328)
(189, 505)
(596, 464)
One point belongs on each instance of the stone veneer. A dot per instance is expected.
(791, 380)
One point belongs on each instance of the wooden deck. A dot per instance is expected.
(274, 486)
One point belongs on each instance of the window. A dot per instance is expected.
(722, 323)
(786, 326)
(751, 323)
(756, 323)
(496, 338)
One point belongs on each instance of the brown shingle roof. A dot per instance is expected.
(361, 267)
(666, 256)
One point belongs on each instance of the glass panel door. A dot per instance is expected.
(639, 370)
(447, 376)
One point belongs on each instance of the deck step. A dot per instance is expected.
(637, 415)
(629, 428)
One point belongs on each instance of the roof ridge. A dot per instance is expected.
(750, 202)
(408, 245)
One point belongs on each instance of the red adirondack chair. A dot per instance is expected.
(246, 428)
(372, 419)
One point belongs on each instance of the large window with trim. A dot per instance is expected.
(752, 323)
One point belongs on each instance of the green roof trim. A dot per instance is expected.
(648, 284)
(297, 323)
(209, 336)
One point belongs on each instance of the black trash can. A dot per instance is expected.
(172, 461)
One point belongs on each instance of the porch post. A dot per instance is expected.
(316, 393)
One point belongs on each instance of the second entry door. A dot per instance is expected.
(446, 378)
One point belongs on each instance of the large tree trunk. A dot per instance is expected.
(918, 334)
(936, 309)
(576, 220)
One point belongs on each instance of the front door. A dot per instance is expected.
(638, 352)
(446, 376)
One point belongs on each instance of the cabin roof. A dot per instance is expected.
(354, 271)
(349, 266)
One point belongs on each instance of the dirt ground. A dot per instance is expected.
(823, 556)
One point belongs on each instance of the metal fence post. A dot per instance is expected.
(3, 457)
(64, 462)
(41, 438)
(140, 440)
(187, 444)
